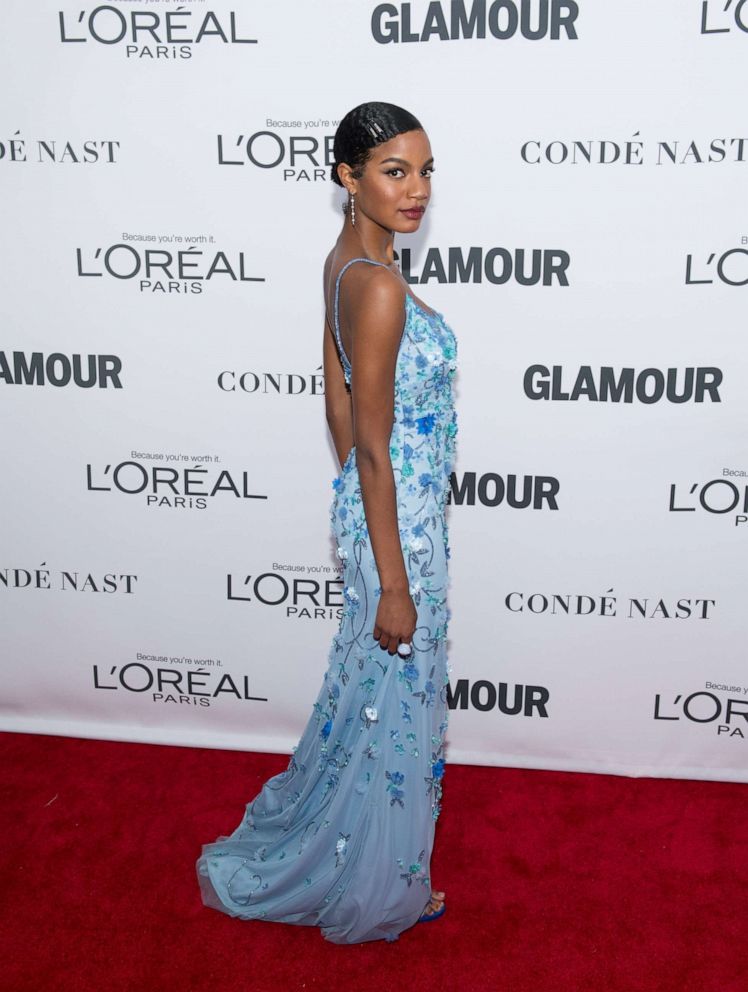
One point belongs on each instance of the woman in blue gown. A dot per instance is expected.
(342, 839)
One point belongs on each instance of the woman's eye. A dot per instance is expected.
(429, 169)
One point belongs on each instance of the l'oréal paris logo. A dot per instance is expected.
(724, 717)
(175, 680)
(728, 267)
(148, 34)
(314, 593)
(304, 155)
(168, 268)
(724, 17)
(164, 481)
(716, 497)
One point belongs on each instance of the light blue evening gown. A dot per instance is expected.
(342, 839)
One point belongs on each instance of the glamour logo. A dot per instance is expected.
(58, 151)
(527, 700)
(603, 151)
(524, 267)
(729, 267)
(37, 369)
(518, 492)
(301, 157)
(162, 270)
(150, 34)
(718, 496)
(276, 383)
(454, 20)
(718, 18)
(166, 487)
(171, 685)
(729, 715)
(40, 577)
(605, 385)
(303, 598)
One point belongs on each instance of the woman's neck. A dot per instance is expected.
(378, 244)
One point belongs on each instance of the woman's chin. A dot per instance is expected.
(406, 225)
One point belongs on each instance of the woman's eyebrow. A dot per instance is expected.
(404, 161)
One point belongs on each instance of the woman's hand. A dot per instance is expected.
(396, 619)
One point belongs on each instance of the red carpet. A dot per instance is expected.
(554, 880)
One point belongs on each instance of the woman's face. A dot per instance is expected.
(396, 186)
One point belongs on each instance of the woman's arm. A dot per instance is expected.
(377, 327)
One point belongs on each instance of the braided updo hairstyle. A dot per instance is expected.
(364, 127)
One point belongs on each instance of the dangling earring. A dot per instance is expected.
(353, 209)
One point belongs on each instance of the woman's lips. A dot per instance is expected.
(414, 214)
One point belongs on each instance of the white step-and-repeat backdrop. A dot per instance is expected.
(167, 569)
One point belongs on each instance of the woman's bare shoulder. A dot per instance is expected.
(366, 286)
(376, 285)
(374, 298)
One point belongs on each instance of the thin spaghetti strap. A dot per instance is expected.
(343, 356)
